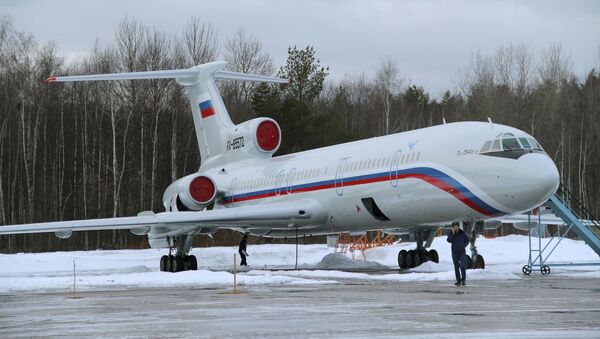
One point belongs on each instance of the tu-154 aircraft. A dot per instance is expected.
(406, 183)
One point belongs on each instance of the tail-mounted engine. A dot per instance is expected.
(260, 137)
(191, 193)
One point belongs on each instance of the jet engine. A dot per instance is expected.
(260, 137)
(191, 193)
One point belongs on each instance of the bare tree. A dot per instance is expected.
(387, 84)
(200, 40)
(244, 53)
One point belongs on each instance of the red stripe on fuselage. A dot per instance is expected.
(427, 178)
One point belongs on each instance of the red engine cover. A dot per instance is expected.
(267, 135)
(202, 189)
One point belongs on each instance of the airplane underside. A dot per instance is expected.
(178, 258)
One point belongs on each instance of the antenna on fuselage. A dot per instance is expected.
(444, 120)
(490, 121)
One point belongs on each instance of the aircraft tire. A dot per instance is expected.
(163, 263)
(193, 263)
(433, 256)
(169, 266)
(422, 256)
(469, 262)
(402, 262)
(410, 259)
(178, 264)
(479, 263)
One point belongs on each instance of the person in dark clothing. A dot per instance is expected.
(242, 250)
(459, 240)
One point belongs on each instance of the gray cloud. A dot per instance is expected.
(429, 40)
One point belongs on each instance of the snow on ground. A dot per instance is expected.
(271, 264)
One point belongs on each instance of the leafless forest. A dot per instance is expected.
(105, 149)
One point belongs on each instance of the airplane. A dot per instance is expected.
(411, 183)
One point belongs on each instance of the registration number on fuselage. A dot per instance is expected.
(464, 152)
(236, 143)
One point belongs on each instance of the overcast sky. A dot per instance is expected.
(430, 41)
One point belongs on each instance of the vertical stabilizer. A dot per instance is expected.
(211, 119)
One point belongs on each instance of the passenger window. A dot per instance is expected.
(510, 144)
(486, 146)
(496, 146)
(525, 143)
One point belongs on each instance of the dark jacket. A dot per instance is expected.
(459, 241)
(243, 244)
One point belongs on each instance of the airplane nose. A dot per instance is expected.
(542, 175)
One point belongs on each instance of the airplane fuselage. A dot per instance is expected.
(423, 177)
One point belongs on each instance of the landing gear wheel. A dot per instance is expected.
(433, 256)
(422, 256)
(169, 265)
(526, 270)
(411, 259)
(479, 263)
(163, 263)
(402, 259)
(177, 264)
(193, 263)
(469, 262)
(545, 270)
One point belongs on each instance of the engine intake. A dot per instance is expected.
(190, 193)
(268, 135)
(202, 190)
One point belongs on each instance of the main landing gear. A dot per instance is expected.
(181, 261)
(414, 258)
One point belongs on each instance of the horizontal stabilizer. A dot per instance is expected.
(184, 74)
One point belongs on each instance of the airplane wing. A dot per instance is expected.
(283, 214)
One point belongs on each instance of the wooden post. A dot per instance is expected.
(234, 271)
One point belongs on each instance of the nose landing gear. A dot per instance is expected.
(473, 229)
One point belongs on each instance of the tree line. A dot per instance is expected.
(108, 149)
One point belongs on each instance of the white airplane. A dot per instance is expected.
(407, 183)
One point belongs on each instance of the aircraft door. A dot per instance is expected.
(394, 166)
(279, 182)
(289, 182)
(339, 176)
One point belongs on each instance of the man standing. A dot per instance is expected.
(459, 240)
(242, 250)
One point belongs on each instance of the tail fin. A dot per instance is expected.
(211, 119)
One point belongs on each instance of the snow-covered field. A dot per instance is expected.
(270, 264)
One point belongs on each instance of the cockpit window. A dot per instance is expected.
(496, 146)
(506, 143)
(525, 143)
(510, 144)
(535, 144)
(486, 146)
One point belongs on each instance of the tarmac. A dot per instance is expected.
(536, 306)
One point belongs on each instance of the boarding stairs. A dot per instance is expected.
(576, 217)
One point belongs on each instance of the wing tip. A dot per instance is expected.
(50, 79)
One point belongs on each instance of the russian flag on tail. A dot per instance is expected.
(206, 109)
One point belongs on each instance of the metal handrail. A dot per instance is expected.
(577, 206)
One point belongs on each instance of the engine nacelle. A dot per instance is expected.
(193, 192)
(258, 137)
